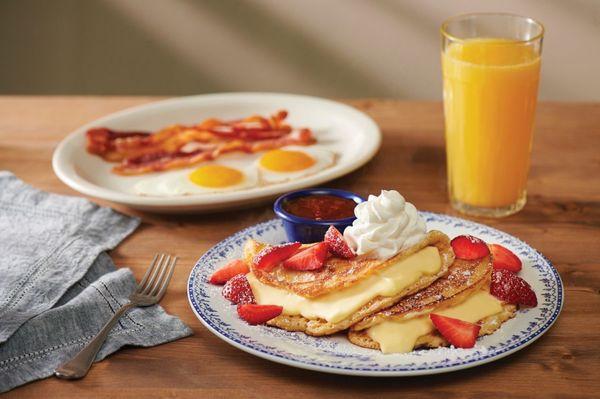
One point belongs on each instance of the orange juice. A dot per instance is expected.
(490, 92)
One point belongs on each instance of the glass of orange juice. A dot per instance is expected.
(491, 69)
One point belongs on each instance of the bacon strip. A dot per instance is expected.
(116, 146)
(157, 162)
(102, 141)
(178, 146)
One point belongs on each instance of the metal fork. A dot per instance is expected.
(148, 292)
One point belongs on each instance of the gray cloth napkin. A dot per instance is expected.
(58, 287)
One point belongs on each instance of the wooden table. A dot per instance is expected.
(562, 220)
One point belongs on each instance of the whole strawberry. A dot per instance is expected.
(238, 290)
(511, 288)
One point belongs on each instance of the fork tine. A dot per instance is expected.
(158, 281)
(166, 281)
(145, 278)
(148, 286)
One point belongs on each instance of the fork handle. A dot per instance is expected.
(79, 365)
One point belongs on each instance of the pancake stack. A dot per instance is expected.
(346, 295)
(342, 283)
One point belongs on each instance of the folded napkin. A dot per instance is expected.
(58, 286)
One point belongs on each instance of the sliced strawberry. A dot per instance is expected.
(511, 288)
(505, 259)
(269, 257)
(233, 268)
(311, 258)
(469, 247)
(238, 290)
(258, 314)
(459, 333)
(337, 245)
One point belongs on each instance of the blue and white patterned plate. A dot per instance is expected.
(336, 354)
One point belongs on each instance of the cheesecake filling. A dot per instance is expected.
(338, 305)
(400, 336)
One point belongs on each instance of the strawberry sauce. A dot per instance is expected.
(320, 207)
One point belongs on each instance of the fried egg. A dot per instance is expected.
(206, 178)
(293, 162)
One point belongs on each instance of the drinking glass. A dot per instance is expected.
(491, 69)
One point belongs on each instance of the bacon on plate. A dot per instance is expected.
(179, 146)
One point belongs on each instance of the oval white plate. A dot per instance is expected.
(336, 354)
(351, 134)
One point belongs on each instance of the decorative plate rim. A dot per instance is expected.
(489, 356)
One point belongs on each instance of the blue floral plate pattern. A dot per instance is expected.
(336, 354)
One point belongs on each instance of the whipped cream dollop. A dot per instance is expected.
(385, 225)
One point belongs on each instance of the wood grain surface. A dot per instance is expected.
(561, 219)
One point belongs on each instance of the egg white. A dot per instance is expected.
(168, 184)
(324, 159)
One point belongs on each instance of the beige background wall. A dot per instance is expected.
(334, 48)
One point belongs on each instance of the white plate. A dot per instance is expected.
(336, 354)
(351, 134)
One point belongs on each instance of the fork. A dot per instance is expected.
(148, 292)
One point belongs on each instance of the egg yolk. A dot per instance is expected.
(216, 176)
(286, 161)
